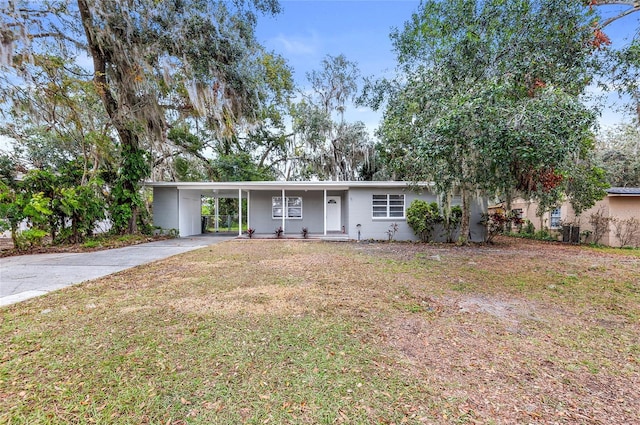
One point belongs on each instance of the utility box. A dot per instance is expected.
(571, 234)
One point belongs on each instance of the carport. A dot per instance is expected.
(180, 206)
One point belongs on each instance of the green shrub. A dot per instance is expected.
(422, 217)
(30, 237)
(91, 244)
(528, 228)
(452, 222)
(543, 235)
(498, 222)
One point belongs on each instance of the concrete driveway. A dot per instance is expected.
(27, 276)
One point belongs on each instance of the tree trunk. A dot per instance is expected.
(14, 235)
(465, 223)
(507, 211)
(129, 141)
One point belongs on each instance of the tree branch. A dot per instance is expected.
(621, 15)
(634, 4)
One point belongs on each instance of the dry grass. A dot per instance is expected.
(270, 331)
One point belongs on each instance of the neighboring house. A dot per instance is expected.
(620, 205)
(348, 210)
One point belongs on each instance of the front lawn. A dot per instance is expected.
(308, 332)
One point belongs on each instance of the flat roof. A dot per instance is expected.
(630, 191)
(279, 185)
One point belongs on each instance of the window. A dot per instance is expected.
(555, 218)
(388, 206)
(292, 207)
(517, 212)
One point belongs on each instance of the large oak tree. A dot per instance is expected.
(488, 100)
(151, 61)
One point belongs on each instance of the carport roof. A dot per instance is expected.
(279, 185)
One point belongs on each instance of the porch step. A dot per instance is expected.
(334, 237)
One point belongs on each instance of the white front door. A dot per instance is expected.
(334, 214)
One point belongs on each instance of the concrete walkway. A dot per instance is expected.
(27, 276)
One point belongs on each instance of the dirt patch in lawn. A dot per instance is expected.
(522, 332)
(486, 373)
(264, 300)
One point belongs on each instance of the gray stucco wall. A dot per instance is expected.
(360, 201)
(165, 207)
(312, 212)
(190, 205)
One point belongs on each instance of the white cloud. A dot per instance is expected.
(6, 144)
(298, 45)
(612, 105)
(85, 61)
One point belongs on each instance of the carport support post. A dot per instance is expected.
(284, 209)
(217, 212)
(325, 213)
(239, 212)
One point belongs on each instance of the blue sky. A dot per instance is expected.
(308, 30)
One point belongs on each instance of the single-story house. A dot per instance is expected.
(348, 210)
(620, 204)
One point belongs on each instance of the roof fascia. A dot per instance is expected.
(291, 185)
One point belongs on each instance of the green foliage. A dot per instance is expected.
(7, 170)
(37, 208)
(83, 206)
(91, 244)
(278, 78)
(239, 167)
(32, 207)
(155, 62)
(618, 153)
(529, 232)
(422, 217)
(181, 136)
(11, 211)
(31, 237)
(528, 229)
(481, 106)
(126, 204)
(623, 73)
(544, 235)
(585, 187)
(188, 170)
(451, 221)
(50, 205)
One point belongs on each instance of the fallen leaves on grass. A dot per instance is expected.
(291, 332)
